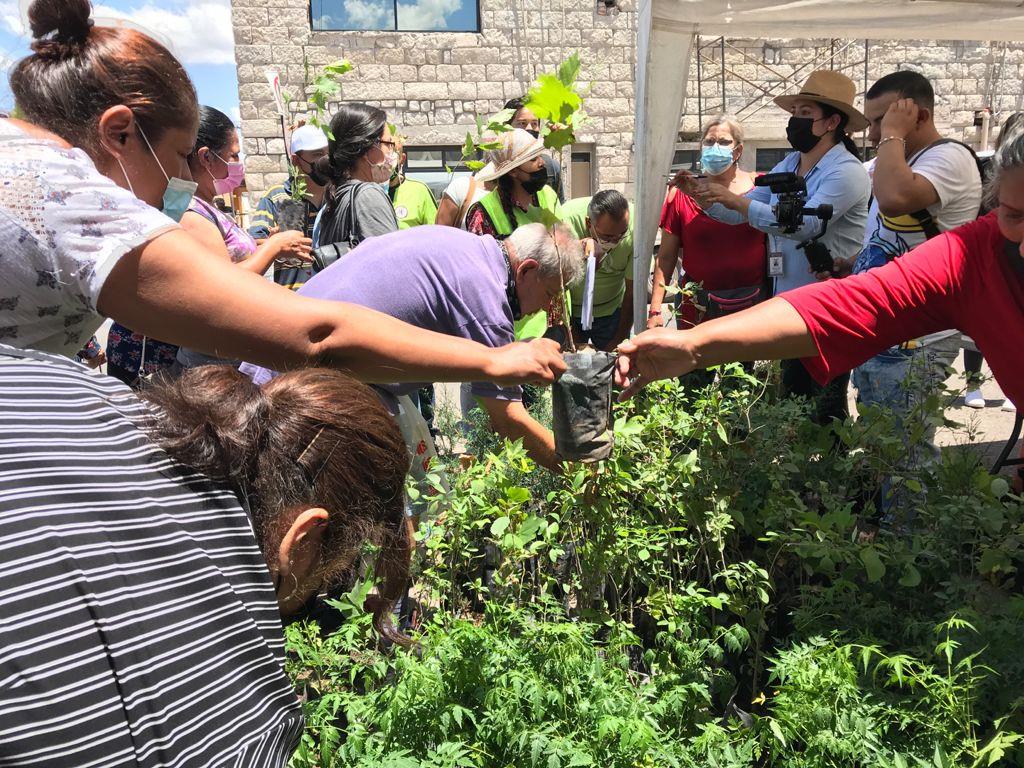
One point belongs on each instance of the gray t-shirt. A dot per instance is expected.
(438, 278)
(363, 210)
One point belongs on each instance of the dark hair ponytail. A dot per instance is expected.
(312, 437)
(356, 127)
(215, 130)
(840, 135)
(506, 196)
(77, 71)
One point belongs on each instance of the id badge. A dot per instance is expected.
(775, 268)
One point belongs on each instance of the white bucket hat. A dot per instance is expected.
(517, 147)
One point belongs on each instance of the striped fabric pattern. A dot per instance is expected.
(138, 624)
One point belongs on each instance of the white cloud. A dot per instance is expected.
(367, 15)
(10, 17)
(427, 14)
(199, 31)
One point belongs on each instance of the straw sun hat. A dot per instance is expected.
(832, 88)
(517, 147)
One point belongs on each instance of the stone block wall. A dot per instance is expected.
(433, 84)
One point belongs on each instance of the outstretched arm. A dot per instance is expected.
(770, 331)
(174, 290)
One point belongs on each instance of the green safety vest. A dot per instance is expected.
(414, 204)
(547, 200)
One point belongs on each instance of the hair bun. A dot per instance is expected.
(59, 26)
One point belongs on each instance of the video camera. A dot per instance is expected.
(790, 211)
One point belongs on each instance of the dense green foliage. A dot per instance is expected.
(715, 594)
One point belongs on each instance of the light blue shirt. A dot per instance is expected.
(839, 180)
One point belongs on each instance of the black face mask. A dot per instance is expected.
(537, 181)
(535, 134)
(314, 175)
(1012, 251)
(800, 132)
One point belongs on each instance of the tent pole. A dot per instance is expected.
(664, 47)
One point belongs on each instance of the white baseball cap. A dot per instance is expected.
(307, 138)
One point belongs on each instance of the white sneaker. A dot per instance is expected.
(974, 399)
(1008, 406)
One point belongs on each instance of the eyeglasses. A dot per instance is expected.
(608, 239)
(719, 142)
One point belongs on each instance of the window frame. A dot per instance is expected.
(396, 28)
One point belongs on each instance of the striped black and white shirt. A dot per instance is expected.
(138, 622)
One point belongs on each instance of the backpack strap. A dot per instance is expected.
(464, 208)
(923, 217)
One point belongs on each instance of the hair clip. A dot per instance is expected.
(308, 447)
(51, 35)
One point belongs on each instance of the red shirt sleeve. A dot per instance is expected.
(667, 209)
(919, 293)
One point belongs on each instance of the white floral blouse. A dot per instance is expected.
(63, 227)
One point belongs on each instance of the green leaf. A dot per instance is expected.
(911, 576)
(994, 559)
(338, 68)
(777, 731)
(569, 69)
(644, 554)
(872, 563)
(557, 139)
(999, 487)
(550, 99)
(500, 525)
(468, 147)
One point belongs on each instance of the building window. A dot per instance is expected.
(396, 15)
(581, 172)
(686, 159)
(768, 157)
(435, 166)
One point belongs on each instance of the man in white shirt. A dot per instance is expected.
(922, 184)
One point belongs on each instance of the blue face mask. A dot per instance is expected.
(716, 160)
(179, 193)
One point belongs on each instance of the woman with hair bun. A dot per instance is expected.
(111, 121)
(140, 620)
(359, 163)
(215, 167)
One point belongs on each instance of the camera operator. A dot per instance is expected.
(827, 160)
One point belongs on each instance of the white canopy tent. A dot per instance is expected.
(668, 29)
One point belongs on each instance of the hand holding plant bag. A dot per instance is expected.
(581, 403)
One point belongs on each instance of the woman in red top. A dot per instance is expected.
(970, 278)
(728, 261)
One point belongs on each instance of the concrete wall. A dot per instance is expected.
(432, 84)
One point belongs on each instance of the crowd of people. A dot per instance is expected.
(161, 522)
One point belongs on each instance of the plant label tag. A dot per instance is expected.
(587, 321)
(775, 268)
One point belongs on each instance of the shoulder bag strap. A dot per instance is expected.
(464, 208)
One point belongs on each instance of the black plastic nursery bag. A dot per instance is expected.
(582, 407)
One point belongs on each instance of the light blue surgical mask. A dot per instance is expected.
(179, 193)
(716, 159)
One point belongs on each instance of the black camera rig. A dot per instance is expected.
(790, 211)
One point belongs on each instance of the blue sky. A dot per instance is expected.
(197, 31)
